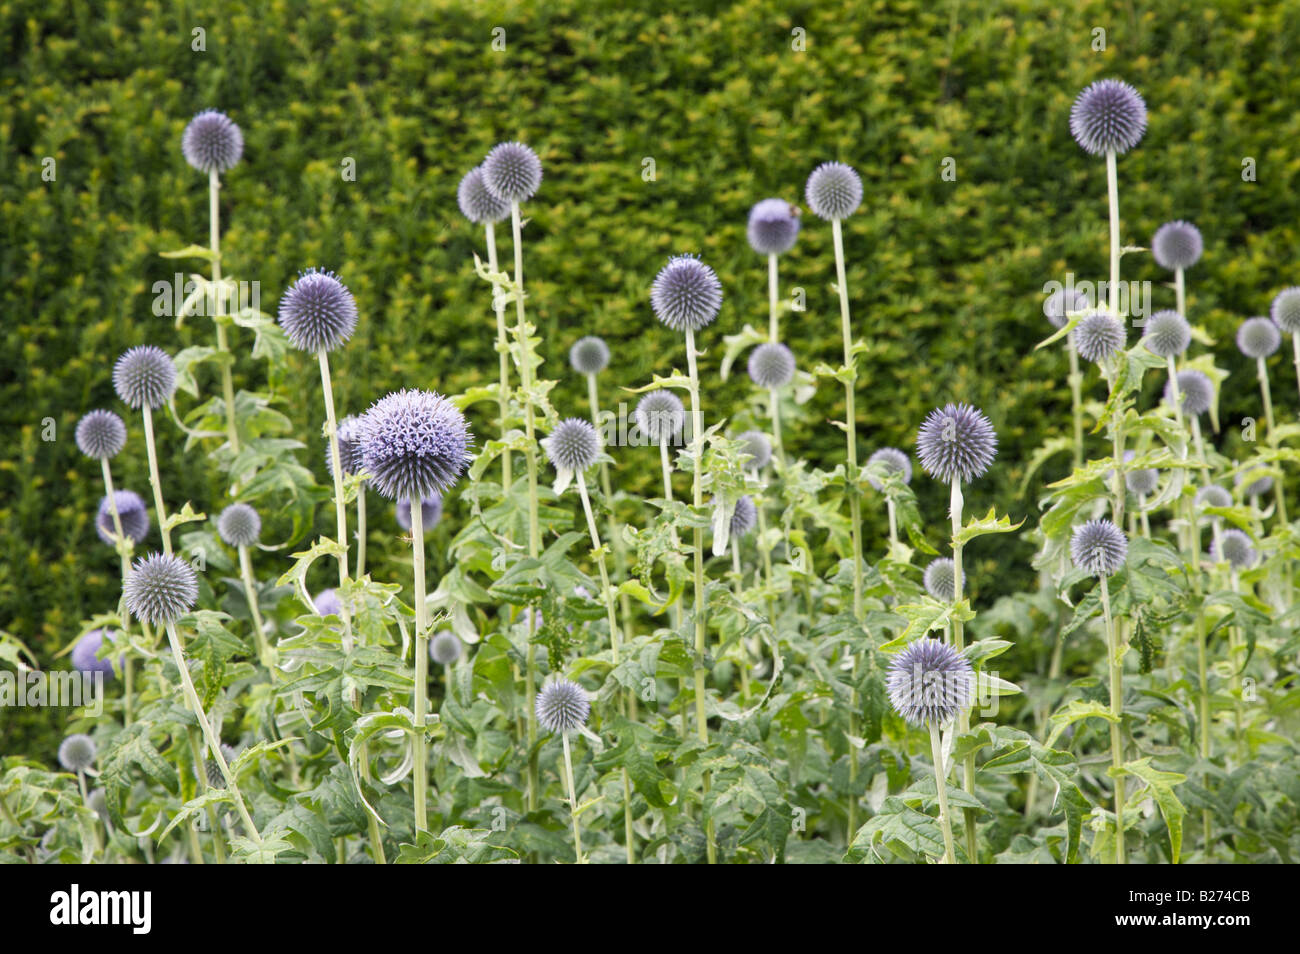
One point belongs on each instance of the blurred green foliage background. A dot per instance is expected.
(946, 277)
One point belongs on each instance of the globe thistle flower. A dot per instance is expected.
(1258, 338)
(212, 142)
(317, 312)
(894, 460)
(759, 448)
(1195, 389)
(478, 204)
(1058, 305)
(686, 294)
(348, 435)
(131, 512)
(1177, 245)
(956, 441)
(1108, 116)
(77, 752)
(1099, 547)
(1234, 547)
(1285, 310)
(1098, 336)
(834, 191)
(1212, 495)
(144, 376)
(771, 366)
(938, 579)
(573, 445)
(327, 603)
(929, 682)
(1142, 481)
(239, 525)
(773, 226)
(98, 802)
(101, 434)
(562, 706)
(160, 588)
(743, 517)
(85, 655)
(430, 511)
(660, 416)
(1254, 486)
(589, 355)
(512, 172)
(445, 648)
(414, 443)
(1167, 334)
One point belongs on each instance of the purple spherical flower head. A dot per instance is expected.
(1285, 310)
(892, 459)
(758, 447)
(212, 142)
(771, 365)
(100, 434)
(1167, 334)
(1142, 481)
(940, 579)
(1108, 116)
(834, 191)
(1258, 338)
(512, 172)
(562, 706)
(773, 226)
(445, 648)
(1099, 547)
(239, 525)
(956, 441)
(327, 603)
(1195, 389)
(414, 443)
(1098, 336)
(929, 682)
(1235, 547)
(144, 376)
(131, 511)
(478, 204)
(589, 355)
(430, 511)
(77, 752)
(573, 445)
(85, 655)
(160, 588)
(1177, 245)
(349, 438)
(1061, 302)
(744, 516)
(686, 294)
(1212, 495)
(317, 312)
(1255, 486)
(660, 416)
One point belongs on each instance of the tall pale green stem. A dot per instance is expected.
(1117, 712)
(503, 356)
(223, 348)
(955, 506)
(941, 789)
(573, 799)
(420, 703)
(1076, 405)
(124, 557)
(250, 594)
(1112, 195)
(773, 321)
(160, 509)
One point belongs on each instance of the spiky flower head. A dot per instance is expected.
(212, 141)
(1235, 547)
(686, 294)
(1258, 338)
(892, 459)
(929, 682)
(144, 376)
(317, 312)
(589, 355)
(349, 438)
(414, 443)
(1099, 547)
(1061, 302)
(130, 510)
(1177, 245)
(956, 440)
(743, 517)
(1098, 336)
(1212, 495)
(1285, 310)
(85, 655)
(1108, 116)
(660, 415)
(478, 204)
(327, 603)
(1167, 334)
(1254, 486)
(1195, 389)
(773, 226)
(573, 445)
(100, 434)
(1142, 481)
(430, 511)
(444, 648)
(562, 706)
(939, 579)
(77, 752)
(239, 525)
(160, 588)
(759, 448)
(512, 172)
(771, 365)
(834, 191)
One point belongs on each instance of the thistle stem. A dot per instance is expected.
(223, 348)
(420, 704)
(159, 507)
(893, 522)
(1117, 711)
(941, 789)
(361, 531)
(774, 403)
(201, 776)
(503, 356)
(611, 521)
(667, 469)
(956, 503)
(1076, 405)
(573, 800)
(250, 594)
(1261, 370)
(773, 321)
(124, 556)
(1112, 195)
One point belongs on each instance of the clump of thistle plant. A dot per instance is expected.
(239, 526)
(145, 377)
(562, 707)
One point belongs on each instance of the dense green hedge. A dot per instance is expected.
(946, 277)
